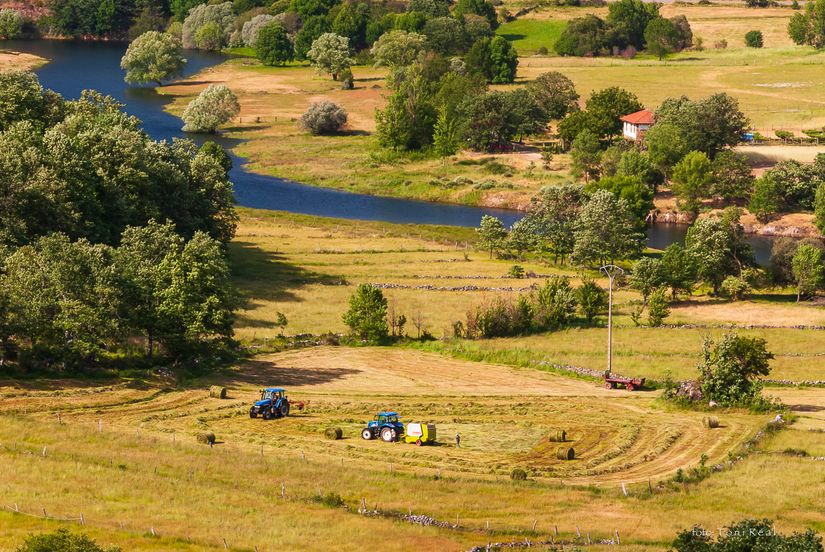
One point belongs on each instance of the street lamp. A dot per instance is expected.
(611, 271)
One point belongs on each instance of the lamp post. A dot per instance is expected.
(611, 271)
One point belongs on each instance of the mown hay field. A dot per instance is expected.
(125, 456)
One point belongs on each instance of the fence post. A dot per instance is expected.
(82, 521)
(283, 489)
(618, 540)
(226, 546)
(45, 515)
(624, 489)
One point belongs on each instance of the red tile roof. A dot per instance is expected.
(643, 117)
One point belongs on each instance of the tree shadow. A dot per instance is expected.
(265, 372)
(513, 36)
(266, 275)
(806, 408)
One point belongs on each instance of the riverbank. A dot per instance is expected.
(17, 61)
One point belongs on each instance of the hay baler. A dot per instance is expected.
(420, 434)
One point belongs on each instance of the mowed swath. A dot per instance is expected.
(505, 416)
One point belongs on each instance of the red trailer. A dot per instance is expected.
(631, 384)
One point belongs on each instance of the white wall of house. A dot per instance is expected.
(632, 132)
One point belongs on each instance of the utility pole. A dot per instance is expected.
(611, 271)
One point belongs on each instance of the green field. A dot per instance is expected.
(528, 35)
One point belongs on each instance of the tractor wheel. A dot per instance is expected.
(387, 435)
(366, 434)
(608, 385)
(284, 410)
(267, 414)
(253, 414)
(418, 442)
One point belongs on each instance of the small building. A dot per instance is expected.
(636, 124)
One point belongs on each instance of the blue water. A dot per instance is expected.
(76, 66)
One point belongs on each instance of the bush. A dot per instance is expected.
(518, 474)
(213, 107)
(753, 39)
(730, 369)
(273, 46)
(735, 288)
(542, 51)
(748, 534)
(367, 314)
(324, 117)
(11, 24)
(720, 44)
(62, 541)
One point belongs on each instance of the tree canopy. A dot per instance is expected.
(152, 57)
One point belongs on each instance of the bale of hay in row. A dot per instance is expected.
(711, 422)
(333, 433)
(565, 453)
(559, 436)
(207, 438)
(217, 392)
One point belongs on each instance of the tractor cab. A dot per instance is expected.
(273, 404)
(385, 425)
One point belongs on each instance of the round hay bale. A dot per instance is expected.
(207, 438)
(565, 453)
(559, 436)
(333, 433)
(711, 422)
(518, 474)
(217, 392)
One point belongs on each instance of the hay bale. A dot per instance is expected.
(711, 422)
(518, 474)
(333, 433)
(559, 436)
(207, 438)
(217, 392)
(565, 453)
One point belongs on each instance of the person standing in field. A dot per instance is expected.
(457, 440)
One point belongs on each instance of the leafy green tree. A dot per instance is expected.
(197, 305)
(574, 124)
(647, 276)
(221, 15)
(483, 8)
(521, 238)
(408, 119)
(684, 32)
(445, 35)
(152, 57)
(754, 39)
(62, 295)
(607, 106)
(809, 28)
(251, 28)
(493, 58)
(492, 234)
(493, 120)
(638, 164)
(819, 208)
(662, 37)
(766, 199)
(719, 248)
(22, 98)
(606, 230)
(553, 216)
(330, 54)
(150, 18)
(367, 314)
(808, 270)
(657, 308)
(311, 29)
(446, 134)
(708, 125)
(592, 299)
(62, 541)
(678, 269)
(731, 367)
(213, 107)
(583, 36)
(180, 8)
(555, 94)
(637, 194)
(210, 37)
(691, 180)
(798, 182)
(397, 49)
(11, 24)
(666, 146)
(585, 155)
(351, 23)
(629, 19)
(732, 176)
(555, 303)
(273, 46)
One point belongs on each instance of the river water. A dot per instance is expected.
(76, 66)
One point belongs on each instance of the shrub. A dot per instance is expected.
(273, 46)
(720, 44)
(542, 51)
(367, 314)
(324, 117)
(516, 271)
(735, 287)
(330, 500)
(213, 107)
(62, 541)
(657, 308)
(11, 24)
(730, 369)
(210, 37)
(753, 39)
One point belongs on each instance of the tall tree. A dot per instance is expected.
(329, 53)
(606, 231)
(152, 57)
(491, 234)
(367, 314)
(808, 270)
(691, 180)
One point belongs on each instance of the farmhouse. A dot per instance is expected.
(636, 124)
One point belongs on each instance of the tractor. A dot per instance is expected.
(273, 404)
(385, 425)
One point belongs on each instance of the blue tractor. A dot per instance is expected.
(273, 404)
(385, 425)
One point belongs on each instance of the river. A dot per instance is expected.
(75, 66)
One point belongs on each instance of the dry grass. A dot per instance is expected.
(15, 61)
